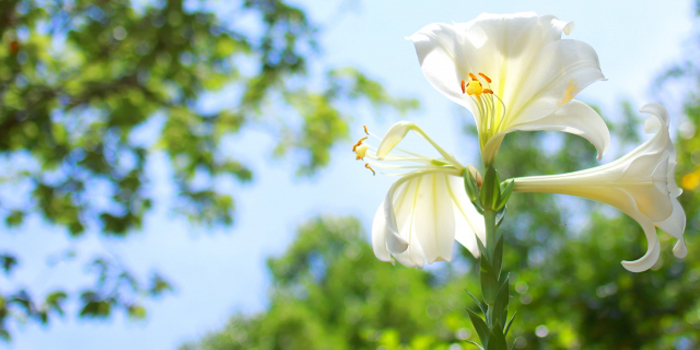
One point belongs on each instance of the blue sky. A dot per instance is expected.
(221, 272)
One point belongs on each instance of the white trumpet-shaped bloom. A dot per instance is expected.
(514, 72)
(641, 184)
(426, 209)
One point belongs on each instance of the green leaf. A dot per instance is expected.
(480, 326)
(497, 341)
(8, 262)
(510, 323)
(478, 206)
(490, 188)
(501, 305)
(496, 189)
(475, 344)
(506, 190)
(136, 312)
(481, 305)
(96, 309)
(498, 257)
(471, 185)
(482, 248)
(15, 218)
(54, 301)
(489, 282)
(499, 216)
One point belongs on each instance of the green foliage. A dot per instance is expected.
(330, 292)
(80, 80)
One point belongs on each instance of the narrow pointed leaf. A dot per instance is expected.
(475, 344)
(498, 257)
(470, 185)
(499, 215)
(501, 304)
(497, 341)
(506, 191)
(504, 278)
(496, 197)
(480, 326)
(510, 323)
(489, 188)
(481, 305)
(478, 206)
(489, 281)
(482, 249)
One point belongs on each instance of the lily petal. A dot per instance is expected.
(575, 118)
(392, 137)
(469, 224)
(395, 243)
(653, 247)
(434, 218)
(429, 211)
(641, 184)
(379, 233)
(398, 132)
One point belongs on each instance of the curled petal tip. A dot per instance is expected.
(395, 244)
(680, 250)
(633, 266)
(656, 110)
(648, 260)
(568, 28)
(395, 134)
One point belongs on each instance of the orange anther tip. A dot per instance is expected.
(488, 91)
(370, 168)
(488, 80)
(471, 75)
(365, 128)
(463, 90)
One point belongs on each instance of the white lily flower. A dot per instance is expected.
(514, 72)
(641, 184)
(426, 209)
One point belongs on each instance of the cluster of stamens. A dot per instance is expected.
(361, 149)
(401, 160)
(488, 106)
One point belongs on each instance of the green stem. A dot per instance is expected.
(494, 261)
(492, 330)
(490, 223)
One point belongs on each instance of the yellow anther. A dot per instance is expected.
(474, 88)
(370, 168)
(365, 128)
(358, 143)
(361, 151)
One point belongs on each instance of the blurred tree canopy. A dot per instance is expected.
(80, 79)
(329, 291)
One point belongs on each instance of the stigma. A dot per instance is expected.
(474, 86)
